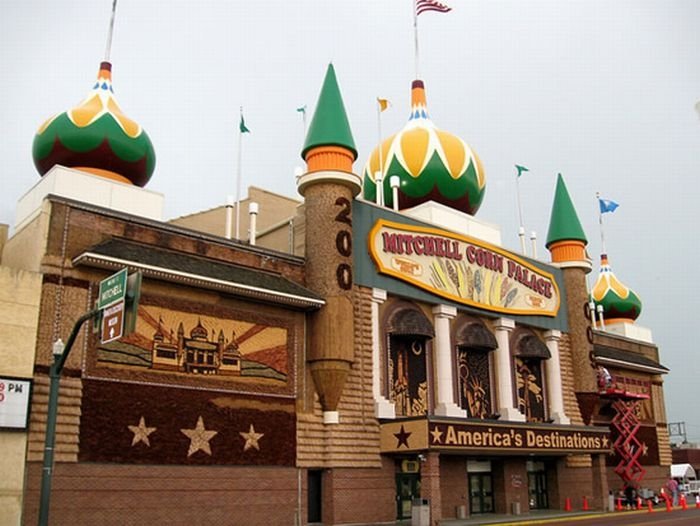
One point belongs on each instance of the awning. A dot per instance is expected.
(682, 471)
(627, 360)
(187, 269)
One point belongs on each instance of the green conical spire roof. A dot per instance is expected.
(329, 126)
(564, 224)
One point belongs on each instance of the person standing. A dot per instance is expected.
(672, 486)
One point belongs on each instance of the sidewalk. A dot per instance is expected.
(533, 517)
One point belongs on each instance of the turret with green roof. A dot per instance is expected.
(566, 240)
(329, 126)
(329, 187)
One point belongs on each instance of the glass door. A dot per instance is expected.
(537, 489)
(407, 489)
(480, 493)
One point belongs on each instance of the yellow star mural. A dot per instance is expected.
(251, 438)
(141, 433)
(199, 438)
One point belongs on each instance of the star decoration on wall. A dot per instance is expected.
(199, 438)
(437, 435)
(251, 438)
(141, 433)
(645, 449)
(605, 442)
(402, 438)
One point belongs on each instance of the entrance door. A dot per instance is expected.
(480, 493)
(537, 489)
(315, 495)
(407, 489)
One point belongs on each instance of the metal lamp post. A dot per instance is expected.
(60, 354)
(50, 440)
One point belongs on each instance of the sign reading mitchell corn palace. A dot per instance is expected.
(463, 270)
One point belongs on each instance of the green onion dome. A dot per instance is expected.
(432, 165)
(620, 304)
(96, 137)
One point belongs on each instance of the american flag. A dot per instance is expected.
(431, 5)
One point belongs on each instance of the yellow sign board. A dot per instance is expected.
(463, 269)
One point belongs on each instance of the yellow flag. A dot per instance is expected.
(383, 104)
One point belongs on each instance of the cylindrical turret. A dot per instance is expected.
(329, 187)
(567, 242)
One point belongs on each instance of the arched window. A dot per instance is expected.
(474, 342)
(408, 334)
(529, 351)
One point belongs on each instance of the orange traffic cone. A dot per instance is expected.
(683, 503)
(651, 506)
(668, 504)
(585, 503)
(639, 503)
(619, 504)
(697, 501)
(567, 504)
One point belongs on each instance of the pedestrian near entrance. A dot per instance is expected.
(630, 496)
(672, 486)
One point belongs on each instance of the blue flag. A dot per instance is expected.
(606, 205)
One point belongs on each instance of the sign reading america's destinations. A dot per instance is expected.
(492, 437)
(463, 269)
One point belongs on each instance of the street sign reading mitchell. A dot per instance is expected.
(112, 289)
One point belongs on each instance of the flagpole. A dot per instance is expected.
(521, 230)
(415, 36)
(379, 181)
(108, 48)
(600, 222)
(238, 181)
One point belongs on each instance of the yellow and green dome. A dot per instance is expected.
(96, 137)
(620, 304)
(432, 165)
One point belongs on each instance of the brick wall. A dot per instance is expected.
(111, 494)
(354, 442)
(359, 496)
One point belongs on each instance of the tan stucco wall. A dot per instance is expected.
(20, 293)
(273, 209)
(26, 247)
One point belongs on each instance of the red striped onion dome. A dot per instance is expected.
(96, 137)
(620, 304)
(432, 165)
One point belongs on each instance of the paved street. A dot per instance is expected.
(659, 517)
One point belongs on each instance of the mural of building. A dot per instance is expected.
(392, 350)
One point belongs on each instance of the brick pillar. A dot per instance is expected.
(430, 485)
(599, 499)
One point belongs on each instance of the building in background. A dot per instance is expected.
(370, 346)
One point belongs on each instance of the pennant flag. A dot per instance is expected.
(431, 5)
(302, 109)
(242, 126)
(521, 169)
(606, 205)
(383, 104)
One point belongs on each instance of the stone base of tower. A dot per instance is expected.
(90, 189)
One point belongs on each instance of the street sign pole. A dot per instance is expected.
(52, 412)
(115, 293)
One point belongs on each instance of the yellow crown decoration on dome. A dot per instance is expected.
(432, 164)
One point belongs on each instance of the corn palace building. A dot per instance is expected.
(369, 345)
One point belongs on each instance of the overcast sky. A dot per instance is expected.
(603, 92)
